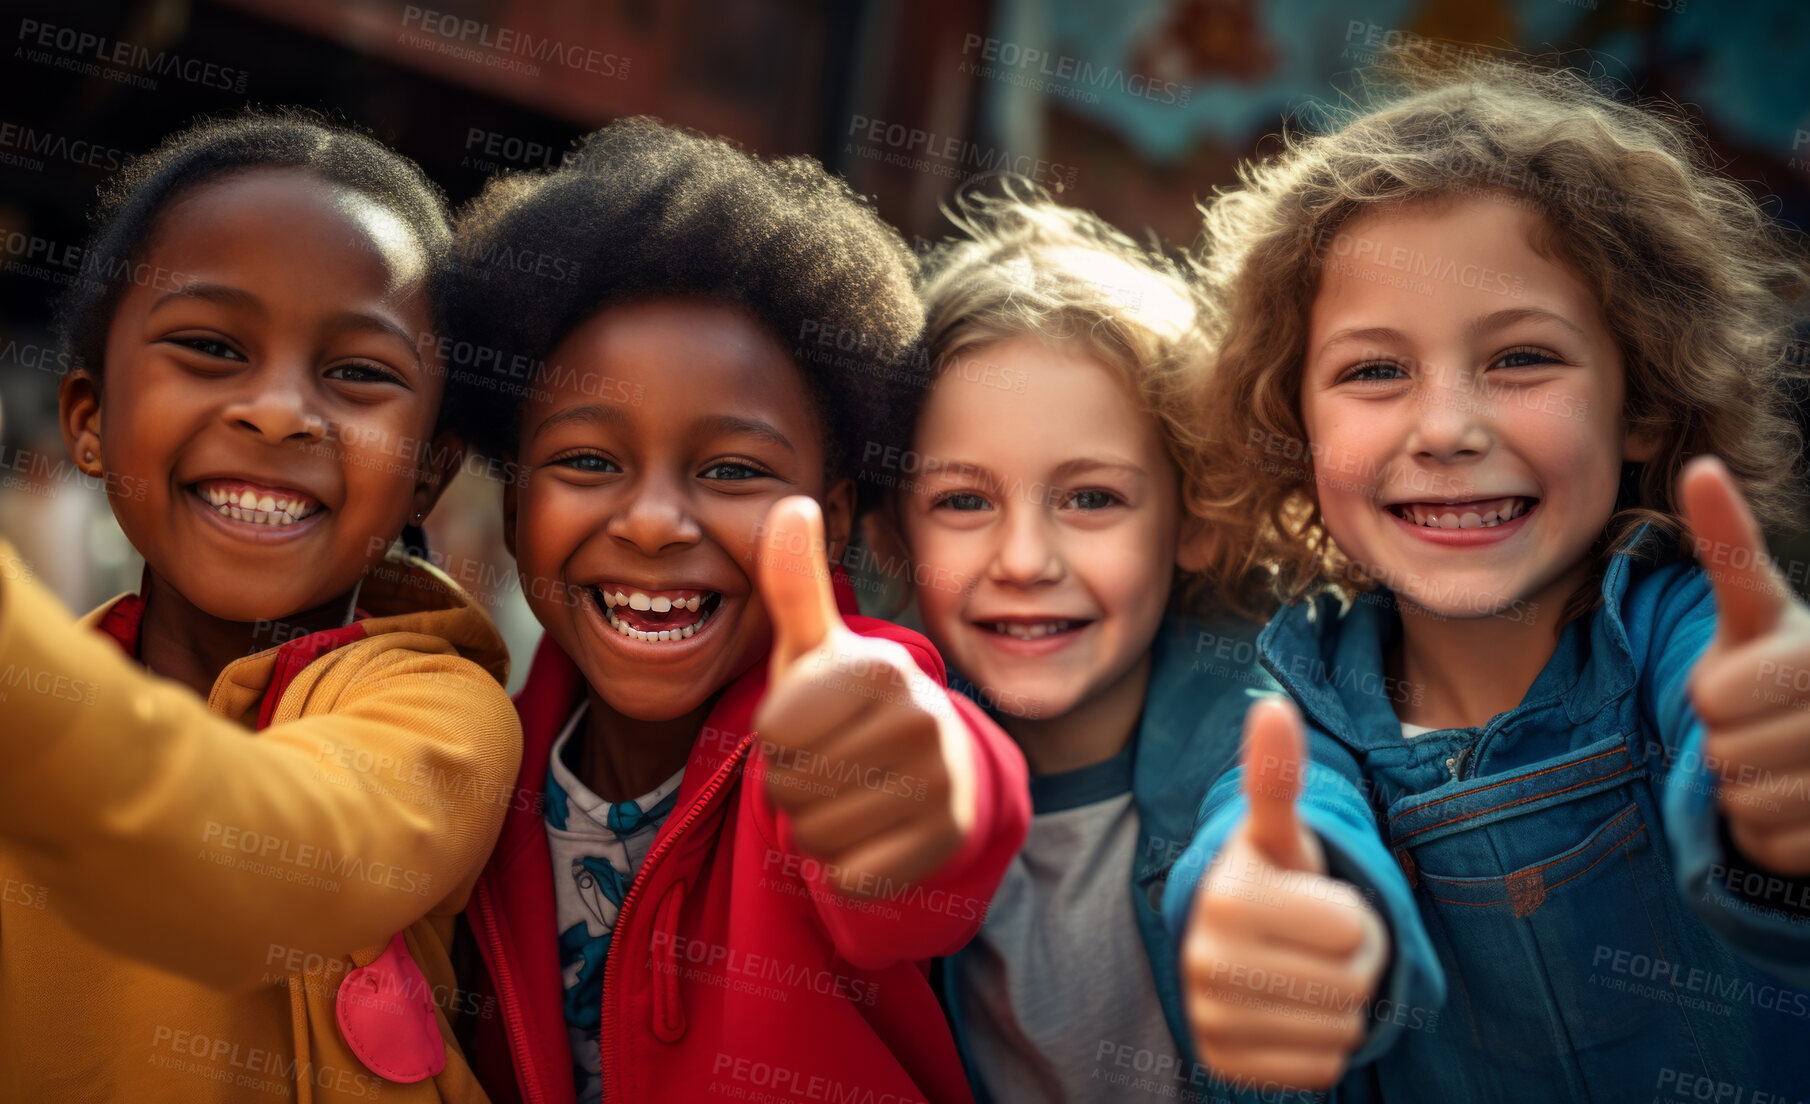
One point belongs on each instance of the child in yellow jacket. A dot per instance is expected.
(250, 894)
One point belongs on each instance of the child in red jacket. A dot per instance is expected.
(762, 814)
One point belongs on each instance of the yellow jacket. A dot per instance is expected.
(181, 895)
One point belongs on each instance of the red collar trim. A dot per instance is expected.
(125, 617)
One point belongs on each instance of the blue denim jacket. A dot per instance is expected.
(1204, 675)
(1557, 876)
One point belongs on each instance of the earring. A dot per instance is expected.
(87, 456)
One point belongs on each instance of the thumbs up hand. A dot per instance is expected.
(1279, 961)
(862, 748)
(1751, 686)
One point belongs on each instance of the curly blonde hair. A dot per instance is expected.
(1029, 265)
(1701, 288)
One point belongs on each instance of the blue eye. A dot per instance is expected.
(588, 462)
(1374, 372)
(1525, 358)
(1091, 500)
(962, 501)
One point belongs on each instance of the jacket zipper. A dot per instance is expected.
(608, 1034)
(512, 1012)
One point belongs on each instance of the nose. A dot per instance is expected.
(655, 516)
(279, 405)
(1454, 418)
(1029, 552)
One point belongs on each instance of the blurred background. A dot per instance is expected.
(1131, 107)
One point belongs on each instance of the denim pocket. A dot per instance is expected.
(1529, 882)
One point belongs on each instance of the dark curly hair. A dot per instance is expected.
(133, 202)
(642, 210)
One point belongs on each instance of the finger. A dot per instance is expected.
(1750, 597)
(1275, 755)
(834, 828)
(809, 703)
(1784, 851)
(1284, 1067)
(896, 860)
(1770, 802)
(1770, 675)
(1756, 752)
(1309, 911)
(1246, 1019)
(794, 576)
(1286, 977)
(839, 758)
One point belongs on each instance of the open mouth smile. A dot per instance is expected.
(257, 511)
(655, 616)
(1482, 513)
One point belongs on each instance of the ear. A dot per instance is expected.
(1640, 446)
(512, 474)
(79, 417)
(838, 517)
(1195, 545)
(435, 471)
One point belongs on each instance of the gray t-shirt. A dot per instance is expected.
(1057, 981)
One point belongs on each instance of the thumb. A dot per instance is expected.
(1275, 762)
(794, 575)
(1750, 597)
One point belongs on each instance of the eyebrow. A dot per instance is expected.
(213, 293)
(729, 423)
(596, 413)
(1070, 468)
(1503, 319)
(371, 323)
(1488, 324)
(962, 469)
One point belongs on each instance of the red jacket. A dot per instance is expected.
(736, 968)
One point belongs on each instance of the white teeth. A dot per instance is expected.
(683, 632)
(1029, 632)
(267, 503)
(258, 510)
(1468, 519)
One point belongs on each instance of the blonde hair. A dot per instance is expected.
(1700, 287)
(1028, 265)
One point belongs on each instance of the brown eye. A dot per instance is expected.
(208, 346)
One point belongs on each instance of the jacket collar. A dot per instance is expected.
(1330, 660)
(399, 594)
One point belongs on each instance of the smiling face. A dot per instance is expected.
(263, 407)
(648, 463)
(1465, 419)
(1051, 518)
